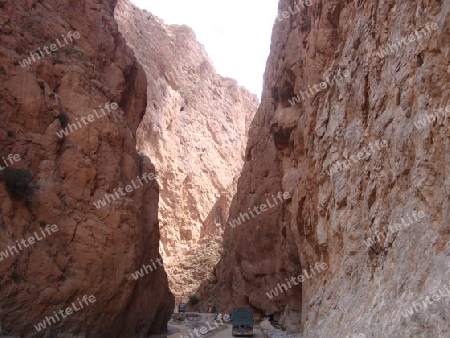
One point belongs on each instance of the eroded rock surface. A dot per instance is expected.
(195, 131)
(94, 250)
(365, 289)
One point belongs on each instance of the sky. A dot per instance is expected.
(235, 33)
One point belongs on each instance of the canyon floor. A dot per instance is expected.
(177, 329)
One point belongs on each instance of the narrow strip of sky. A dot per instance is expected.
(236, 33)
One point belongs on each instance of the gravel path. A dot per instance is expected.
(271, 332)
(226, 333)
(275, 333)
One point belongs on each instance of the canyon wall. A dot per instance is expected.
(94, 250)
(195, 131)
(391, 169)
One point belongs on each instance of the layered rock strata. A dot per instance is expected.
(373, 190)
(94, 250)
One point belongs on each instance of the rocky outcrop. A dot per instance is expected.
(195, 131)
(93, 251)
(389, 172)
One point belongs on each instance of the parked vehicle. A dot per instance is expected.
(242, 322)
(182, 308)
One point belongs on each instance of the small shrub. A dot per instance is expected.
(63, 119)
(18, 182)
(58, 53)
(63, 201)
(10, 133)
(73, 51)
(17, 278)
(70, 51)
(193, 300)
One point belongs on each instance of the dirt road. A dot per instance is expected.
(184, 328)
(226, 333)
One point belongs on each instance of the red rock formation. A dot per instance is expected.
(94, 250)
(290, 148)
(195, 131)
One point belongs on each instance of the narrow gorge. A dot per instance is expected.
(135, 177)
(195, 132)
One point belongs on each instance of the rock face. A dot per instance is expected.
(365, 289)
(94, 250)
(195, 131)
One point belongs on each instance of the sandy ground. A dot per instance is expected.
(226, 333)
(184, 329)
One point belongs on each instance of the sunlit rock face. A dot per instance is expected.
(95, 250)
(389, 172)
(195, 131)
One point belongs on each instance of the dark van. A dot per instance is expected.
(242, 322)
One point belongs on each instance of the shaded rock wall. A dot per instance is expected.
(290, 148)
(195, 131)
(94, 250)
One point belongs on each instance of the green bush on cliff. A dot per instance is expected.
(17, 182)
(63, 119)
(193, 300)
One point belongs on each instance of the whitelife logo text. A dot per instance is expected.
(203, 329)
(262, 207)
(31, 240)
(394, 47)
(53, 48)
(364, 154)
(393, 228)
(68, 311)
(140, 273)
(338, 77)
(285, 14)
(300, 278)
(104, 201)
(90, 118)
(426, 301)
(11, 158)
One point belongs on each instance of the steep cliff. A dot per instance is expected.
(195, 131)
(70, 157)
(392, 180)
